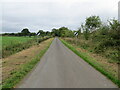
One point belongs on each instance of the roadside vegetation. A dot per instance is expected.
(97, 43)
(20, 53)
(96, 37)
(12, 44)
(98, 62)
(16, 66)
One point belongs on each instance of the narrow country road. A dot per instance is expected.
(61, 68)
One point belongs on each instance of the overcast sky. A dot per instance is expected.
(48, 14)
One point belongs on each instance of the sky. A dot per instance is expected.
(48, 14)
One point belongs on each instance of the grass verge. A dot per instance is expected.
(92, 62)
(25, 68)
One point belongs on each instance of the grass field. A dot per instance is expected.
(12, 45)
(8, 41)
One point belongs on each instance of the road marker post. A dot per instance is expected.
(76, 36)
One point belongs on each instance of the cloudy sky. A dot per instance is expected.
(48, 14)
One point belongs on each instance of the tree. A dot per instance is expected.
(114, 24)
(79, 32)
(86, 31)
(41, 33)
(25, 32)
(47, 33)
(63, 31)
(114, 29)
(33, 34)
(92, 23)
(55, 32)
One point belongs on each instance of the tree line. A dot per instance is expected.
(26, 32)
(61, 32)
(103, 36)
(93, 25)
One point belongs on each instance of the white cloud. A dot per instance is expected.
(47, 14)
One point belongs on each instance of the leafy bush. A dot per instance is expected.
(103, 39)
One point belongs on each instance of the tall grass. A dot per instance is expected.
(92, 62)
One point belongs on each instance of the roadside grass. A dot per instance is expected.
(0, 47)
(108, 52)
(18, 74)
(93, 62)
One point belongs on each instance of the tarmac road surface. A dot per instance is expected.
(61, 68)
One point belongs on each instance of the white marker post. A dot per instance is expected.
(76, 35)
(38, 38)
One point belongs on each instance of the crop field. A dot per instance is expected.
(11, 45)
(8, 40)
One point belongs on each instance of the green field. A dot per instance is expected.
(11, 45)
(8, 41)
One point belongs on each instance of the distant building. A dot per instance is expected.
(119, 10)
